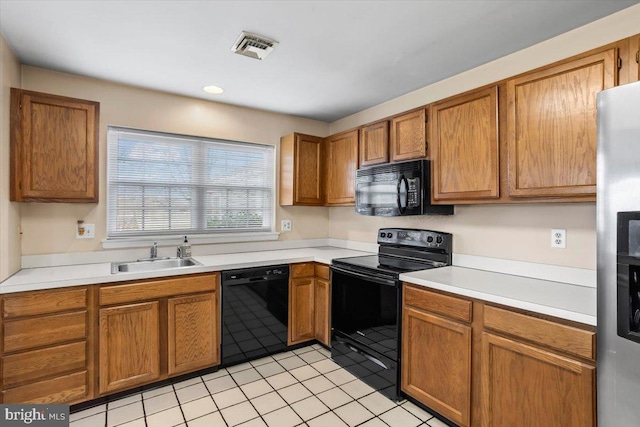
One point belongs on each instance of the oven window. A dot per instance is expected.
(366, 311)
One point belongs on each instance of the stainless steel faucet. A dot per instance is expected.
(154, 250)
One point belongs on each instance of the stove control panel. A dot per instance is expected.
(413, 237)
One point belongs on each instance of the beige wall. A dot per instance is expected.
(9, 212)
(514, 232)
(49, 228)
(503, 231)
(521, 232)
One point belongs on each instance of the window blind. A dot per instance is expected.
(165, 184)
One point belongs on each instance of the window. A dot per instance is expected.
(164, 184)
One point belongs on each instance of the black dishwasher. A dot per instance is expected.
(255, 312)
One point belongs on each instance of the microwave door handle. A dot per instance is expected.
(402, 210)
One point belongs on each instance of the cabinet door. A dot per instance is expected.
(193, 333)
(374, 144)
(436, 363)
(322, 310)
(551, 127)
(129, 346)
(408, 136)
(341, 164)
(636, 53)
(308, 170)
(527, 386)
(54, 148)
(301, 310)
(464, 147)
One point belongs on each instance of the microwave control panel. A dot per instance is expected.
(413, 192)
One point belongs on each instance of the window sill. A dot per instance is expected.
(143, 242)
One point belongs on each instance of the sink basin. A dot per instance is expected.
(151, 265)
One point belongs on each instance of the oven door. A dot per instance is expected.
(365, 325)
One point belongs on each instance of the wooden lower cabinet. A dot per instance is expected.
(154, 329)
(301, 310)
(479, 364)
(322, 295)
(442, 349)
(47, 346)
(309, 303)
(526, 386)
(436, 360)
(129, 346)
(193, 336)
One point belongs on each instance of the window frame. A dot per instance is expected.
(199, 234)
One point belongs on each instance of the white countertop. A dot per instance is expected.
(564, 300)
(32, 279)
(567, 301)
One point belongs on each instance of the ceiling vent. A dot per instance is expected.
(253, 45)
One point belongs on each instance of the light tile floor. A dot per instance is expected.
(303, 387)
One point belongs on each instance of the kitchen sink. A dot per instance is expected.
(148, 264)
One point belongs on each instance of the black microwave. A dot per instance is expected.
(397, 189)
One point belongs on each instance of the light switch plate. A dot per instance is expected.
(85, 231)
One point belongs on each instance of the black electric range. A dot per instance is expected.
(367, 298)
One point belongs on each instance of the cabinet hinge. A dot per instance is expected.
(638, 57)
(619, 63)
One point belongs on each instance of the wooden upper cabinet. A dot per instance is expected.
(526, 386)
(464, 147)
(408, 136)
(300, 170)
(635, 56)
(341, 162)
(54, 148)
(551, 127)
(374, 144)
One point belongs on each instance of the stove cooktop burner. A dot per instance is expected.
(389, 265)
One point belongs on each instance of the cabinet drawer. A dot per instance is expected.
(302, 270)
(445, 305)
(555, 335)
(42, 331)
(322, 271)
(36, 303)
(65, 389)
(154, 289)
(39, 364)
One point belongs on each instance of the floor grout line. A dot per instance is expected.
(317, 374)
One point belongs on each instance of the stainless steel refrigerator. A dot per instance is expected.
(618, 232)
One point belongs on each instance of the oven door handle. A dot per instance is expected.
(379, 280)
(364, 354)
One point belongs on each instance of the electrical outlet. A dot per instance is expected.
(285, 225)
(85, 231)
(558, 238)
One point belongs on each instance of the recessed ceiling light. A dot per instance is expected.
(213, 89)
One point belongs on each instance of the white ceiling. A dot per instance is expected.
(335, 58)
